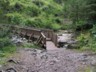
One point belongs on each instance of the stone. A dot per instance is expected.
(52, 62)
(10, 70)
(12, 61)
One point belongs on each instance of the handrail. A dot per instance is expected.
(42, 39)
(43, 35)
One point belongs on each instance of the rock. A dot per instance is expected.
(52, 62)
(34, 53)
(18, 40)
(2, 71)
(67, 40)
(10, 70)
(38, 51)
(93, 62)
(44, 57)
(61, 60)
(12, 61)
(65, 46)
(0, 66)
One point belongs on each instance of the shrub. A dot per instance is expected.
(15, 18)
(66, 26)
(34, 22)
(4, 37)
(55, 27)
(4, 42)
(4, 32)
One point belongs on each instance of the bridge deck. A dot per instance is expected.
(50, 45)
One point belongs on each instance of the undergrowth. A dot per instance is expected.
(31, 45)
(87, 41)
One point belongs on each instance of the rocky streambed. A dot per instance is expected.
(67, 39)
(60, 60)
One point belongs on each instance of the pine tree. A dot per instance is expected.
(91, 10)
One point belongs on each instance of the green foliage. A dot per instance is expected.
(30, 45)
(6, 46)
(42, 13)
(9, 49)
(55, 27)
(83, 39)
(15, 18)
(6, 52)
(37, 13)
(4, 42)
(87, 41)
(91, 8)
(4, 39)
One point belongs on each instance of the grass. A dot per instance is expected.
(31, 45)
(6, 52)
(84, 69)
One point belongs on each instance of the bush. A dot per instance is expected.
(87, 41)
(4, 37)
(4, 42)
(4, 31)
(66, 26)
(55, 27)
(34, 22)
(82, 40)
(15, 18)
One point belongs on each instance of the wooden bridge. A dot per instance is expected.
(44, 37)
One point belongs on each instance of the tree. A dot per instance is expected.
(91, 9)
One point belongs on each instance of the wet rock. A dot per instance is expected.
(18, 40)
(66, 46)
(67, 40)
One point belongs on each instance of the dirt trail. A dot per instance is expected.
(59, 60)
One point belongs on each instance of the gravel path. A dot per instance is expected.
(60, 60)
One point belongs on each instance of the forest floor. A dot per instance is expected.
(59, 60)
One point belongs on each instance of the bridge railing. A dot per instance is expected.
(42, 40)
(42, 35)
(50, 34)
